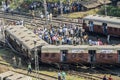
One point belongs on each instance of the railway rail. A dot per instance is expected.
(27, 18)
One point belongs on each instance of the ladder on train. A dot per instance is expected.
(36, 62)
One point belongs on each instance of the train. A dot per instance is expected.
(23, 41)
(106, 25)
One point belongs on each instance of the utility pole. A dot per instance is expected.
(61, 7)
(105, 7)
(36, 61)
(45, 8)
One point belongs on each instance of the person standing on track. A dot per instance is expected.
(59, 76)
(110, 78)
(63, 75)
(104, 78)
(29, 68)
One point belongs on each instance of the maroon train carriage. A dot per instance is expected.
(22, 40)
(64, 54)
(85, 54)
(102, 24)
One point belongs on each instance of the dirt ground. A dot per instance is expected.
(4, 68)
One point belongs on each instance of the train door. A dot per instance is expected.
(92, 54)
(39, 53)
(64, 54)
(118, 56)
(104, 25)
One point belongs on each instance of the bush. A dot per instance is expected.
(111, 11)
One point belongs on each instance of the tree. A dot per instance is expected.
(111, 11)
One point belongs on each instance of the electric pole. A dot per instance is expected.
(45, 8)
(61, 7)
(36, 61)
(105, 7)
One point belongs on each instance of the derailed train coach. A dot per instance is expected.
(106, 25)
(85, 54)
(21, 40)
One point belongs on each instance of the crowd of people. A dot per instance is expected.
(55, 7)
(62, 34)
(65, 34)
(67, 7)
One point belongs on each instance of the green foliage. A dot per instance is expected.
(111, 11)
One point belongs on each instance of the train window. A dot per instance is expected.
(119, 51)
(102, 56)
(46, 55)
(110, 29)
(53, 55)
(73, 55)
(109, 56)
(115, 29)
(81, 55)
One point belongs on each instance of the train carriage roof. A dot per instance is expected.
(25, 36)
(78, 48)
(104, 19)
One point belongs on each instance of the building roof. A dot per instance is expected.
(104, 1)
(93, 3)
(25, 36)
(90, 4)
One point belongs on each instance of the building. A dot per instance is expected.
(91, 4)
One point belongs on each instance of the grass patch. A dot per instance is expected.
(81, 14)
(68, 77)
(4, 52)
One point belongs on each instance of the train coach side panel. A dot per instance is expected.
(109, 58)
(77, 57)
(50, 57)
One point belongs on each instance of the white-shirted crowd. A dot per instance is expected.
(63, 34)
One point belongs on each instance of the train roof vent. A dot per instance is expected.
(111, 16)
(19, 33)
(94, 15)
(31, 43)
(27, 40)
(23, 37)
(33, 36)
(99, 16)
(15, 31)
(29, 33)
(42, 43)
(118, 17)
(11, 28)
(38, 39)
(25, 30)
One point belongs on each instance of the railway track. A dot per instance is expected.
(85, 74)
(28, 18)
(28, 15)
(40, 76)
